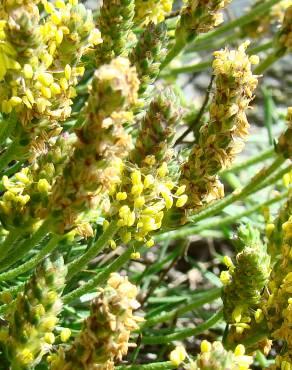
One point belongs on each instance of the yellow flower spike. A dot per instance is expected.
(177, 356)
(182, 200)
(225, 277)
(65, 335)
(49, 338)
(25, 356)
(135, 255)
(148, 181)
(162, 170)
(45, 79)
(121, 195)
(68, 71)
(139, 202)
(205, 346)
(27, 71)
(112, 244)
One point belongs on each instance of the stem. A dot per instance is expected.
(266, 63)
(52, 244)
(196, 301)
(102, 242)
(250, 162)
(155, 366)
(27, 244)
(7, 126)
(185, 333)
(100, 278)
(258, 181)
(174, 52)
(10, 154)
(9, 241)
(190, 68)
(187, 231)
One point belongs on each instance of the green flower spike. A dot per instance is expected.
(149, 53)
(114, 22)
(104, 338)
(33, 317)
(245, 279)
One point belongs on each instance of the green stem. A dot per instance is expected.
(101, 277)
(219, 222)
(10, 154)
(257, 181)
(26, 245)
(196, 301)
(102, 242)
(185, 333)
(9, 241)
(266, 63)
(250, 162)
(52, 244)
(6, 127)
(174, 52)
(154, 366)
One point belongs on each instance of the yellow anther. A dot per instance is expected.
(126, 237)
(135, 255)
(15, 100)
(49, 338)
(59, 36)
(26, 356)
(137, 189)
(60, 4)
(148, 181)
(56, 18)
(162, 170)
(225, 277)
(177, 356)
(105, 224)
(65, 334)
(46, 91)
(139, 202)
(205, 346)
(237, 314)
(45, 78)
(180, 190)
(55, 88)
(136, 177)
(239, 350)
(150, 243)
(182, 200)
(68, 71)
(64, 83)
(269, 229)
(254, 59)
(121, 196)
(112, 244)
(228, 261)
(28, 71)
(43, 186)
(49, 7)
(258, 315)
(167, 198)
